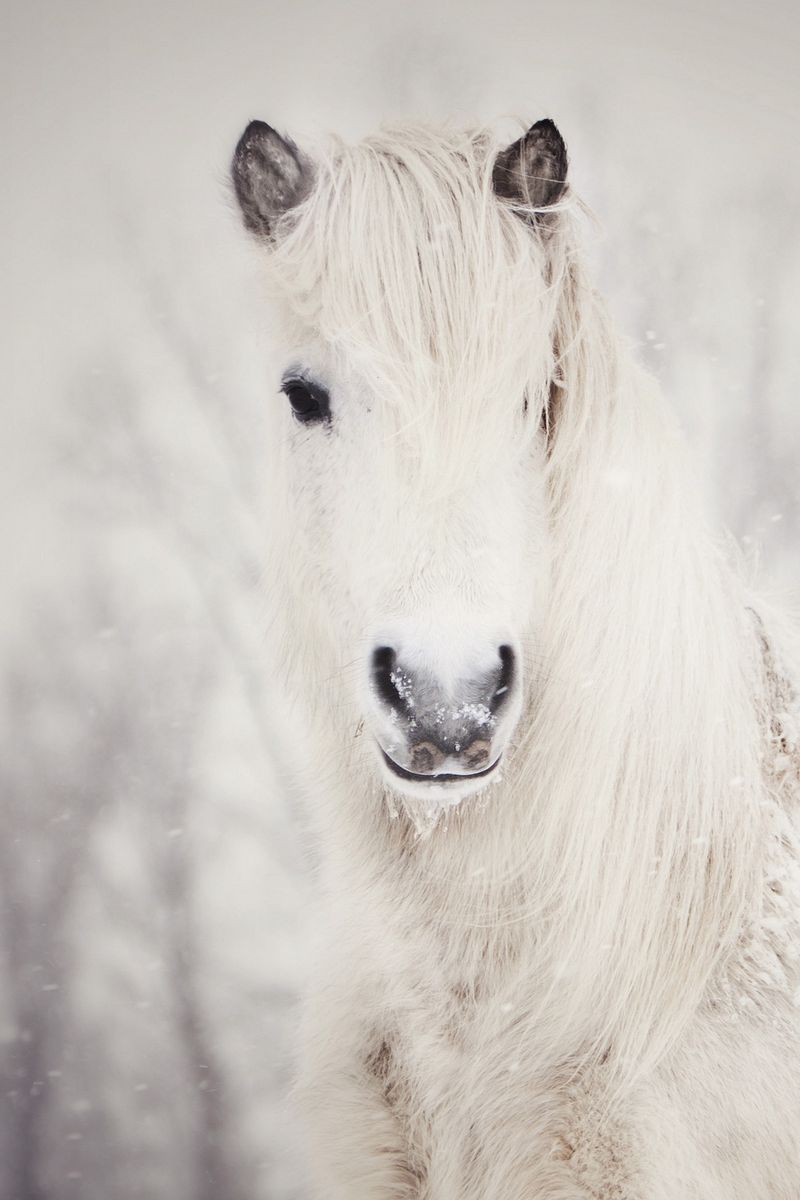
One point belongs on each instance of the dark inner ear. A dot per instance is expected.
(270, 176)
(533, 171)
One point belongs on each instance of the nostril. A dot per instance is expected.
(477, 754)
(384, 674)
(505, 676)
(425, 757)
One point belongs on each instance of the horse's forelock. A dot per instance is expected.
(404, 257)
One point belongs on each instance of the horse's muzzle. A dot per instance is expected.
(430, 734)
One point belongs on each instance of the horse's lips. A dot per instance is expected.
(436, 779)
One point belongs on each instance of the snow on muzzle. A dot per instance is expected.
(443, 731)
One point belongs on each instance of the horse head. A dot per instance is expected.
(415, 287)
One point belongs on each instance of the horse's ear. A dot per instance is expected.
(270, 177)
(533, 171)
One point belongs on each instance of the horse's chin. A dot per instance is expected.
(445, 789)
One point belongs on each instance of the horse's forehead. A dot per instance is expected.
(419, 278)
(414, 303)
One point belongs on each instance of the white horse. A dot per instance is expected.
(548, 739)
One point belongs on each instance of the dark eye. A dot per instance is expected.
(309, 401)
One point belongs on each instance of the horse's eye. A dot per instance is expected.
(309, 401)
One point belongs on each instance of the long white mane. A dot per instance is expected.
(631, 833)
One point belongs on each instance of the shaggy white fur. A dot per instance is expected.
(583, 981)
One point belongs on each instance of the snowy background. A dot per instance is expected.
(151, 878)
